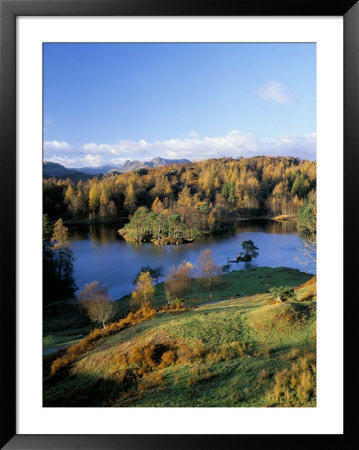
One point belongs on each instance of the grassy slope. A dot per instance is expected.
(64, 323)
(236, 283)
(218, 375)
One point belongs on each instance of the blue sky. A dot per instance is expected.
(105, 103)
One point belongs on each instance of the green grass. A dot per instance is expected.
(234, 284)
(53, 342)
(272, 339)
(63, 324)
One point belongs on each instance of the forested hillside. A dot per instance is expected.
(207, 195)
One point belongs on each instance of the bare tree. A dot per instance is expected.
(209, 269)
(179, 280)
(97, 303)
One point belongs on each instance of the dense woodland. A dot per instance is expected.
(179, 202)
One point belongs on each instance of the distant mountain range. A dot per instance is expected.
(128, 166)
(50, 169)
(56, 170)
(96, 170)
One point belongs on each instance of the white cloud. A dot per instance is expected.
(99, 148)
(67, 162)
(93, 160)
(193, 134)
(234, 144)
(274, 90)
(76, 161)
(56, 146)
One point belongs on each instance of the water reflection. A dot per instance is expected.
(101, 254)
(102, 234)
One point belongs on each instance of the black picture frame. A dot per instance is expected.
(9, 10)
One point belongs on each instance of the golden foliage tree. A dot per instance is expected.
(94, 197)
(62, 247)
(130, 198)
(157, 206)
(144, 292)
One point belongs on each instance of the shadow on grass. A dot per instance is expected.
(83, 391)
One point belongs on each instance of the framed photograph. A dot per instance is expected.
(175, 178)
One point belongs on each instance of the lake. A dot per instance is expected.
(101, 254)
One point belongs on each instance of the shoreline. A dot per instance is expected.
(123, 220)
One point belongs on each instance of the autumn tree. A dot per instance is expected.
(207, 195)
(179, 280)
(130, 198)
(208, 268)
(96, 302)
(111, 209)
(94, 197)
(162, 187)
(70, 197)
(185, 197)
(62, 248)
(55, 286)
(155, 273)
(144, 292)
(157, 206)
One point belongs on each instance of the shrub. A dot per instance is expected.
(295, 386)
(151, 381)
(174, 306)
(168, 358)
(282, 293)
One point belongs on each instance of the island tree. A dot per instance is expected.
(250, 252)
(146, 225)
